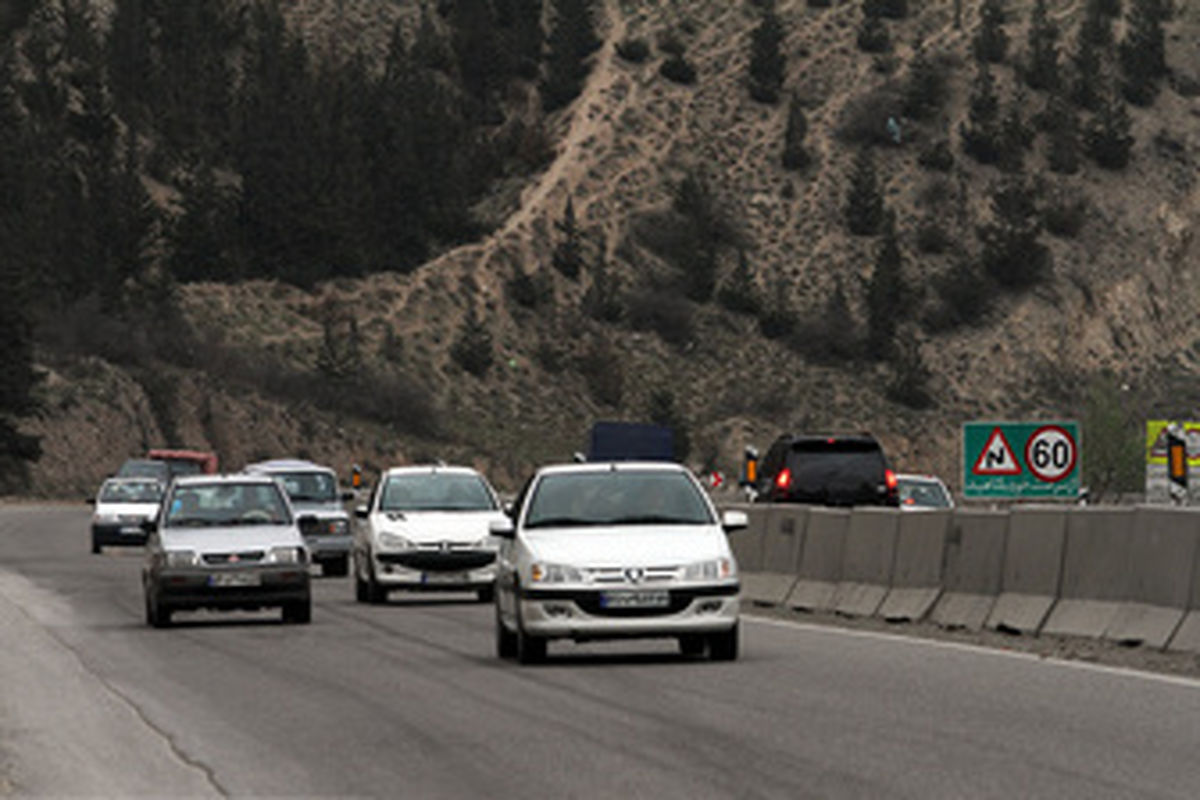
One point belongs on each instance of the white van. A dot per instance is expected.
(616, 550)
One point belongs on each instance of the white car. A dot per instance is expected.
(426, 528)
(616, 550)
(226, 542)
(921, 492)
(121, 507)
(313, 490)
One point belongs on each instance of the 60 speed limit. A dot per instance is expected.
(1050, 453)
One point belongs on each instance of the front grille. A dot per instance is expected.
(589, 601)
(608, 576)
(248, 556)
(438, 560)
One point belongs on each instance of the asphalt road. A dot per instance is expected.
(407, 700)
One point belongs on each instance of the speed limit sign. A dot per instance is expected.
(1050, 453)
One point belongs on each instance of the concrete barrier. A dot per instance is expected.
(867, 561)
(917, 572)
(1187, 637)
(1033, 557)
(747, 544)
(782, 543)
(820, 559)
(972, 563)
(1095, 573)
(1162, 559)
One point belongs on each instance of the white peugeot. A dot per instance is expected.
(426, 528)
(616, 550)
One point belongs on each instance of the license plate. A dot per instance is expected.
(442, 577)
(235, 579)
(129, 530)
(645, 599)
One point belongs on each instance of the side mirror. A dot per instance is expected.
(362, 512)
(502, 528)
(734, 521)
(308, 524)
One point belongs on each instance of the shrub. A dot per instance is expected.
(603, 373)
(873, 36)
(937, 156)
(964, 297)
(665, 313)
(679, 70)
(864, 118)
(932, 236)
(634, 51)
(1065, 215)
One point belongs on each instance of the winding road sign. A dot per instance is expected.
(1021, 460)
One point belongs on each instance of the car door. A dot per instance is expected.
(507, 558)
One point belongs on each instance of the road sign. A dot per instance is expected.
(1168, 480)
(1012, 460)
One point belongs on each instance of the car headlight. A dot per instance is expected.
(106, 519)
(338, 527)
(555, 573)
(287, 555)
(711, 570)
(394, 541)
(181, 558)
(486, 543)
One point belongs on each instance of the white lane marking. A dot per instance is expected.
(1128, 672)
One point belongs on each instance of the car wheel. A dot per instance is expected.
(360, 588)
(506, 640)
(96, 547)
(336, 568)
(376, 594)
(298, 612)
(691, 645)
(530, 649)
(486, 593)
(724, 646)
(156, 615)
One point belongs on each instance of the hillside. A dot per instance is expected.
(1120, 300)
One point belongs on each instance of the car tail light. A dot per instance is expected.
(784, 479)
(889, 478)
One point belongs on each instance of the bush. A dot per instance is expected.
(603, 373)
(665, 313)
(873, 36)
(937, 156)
(864, 118)
(678, 69)
(964, 297)
(1065, 215)
(932, 237)
(529, 290)
(634, 51)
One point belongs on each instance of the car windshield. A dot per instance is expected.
(212, 504)
(926, 494)
(436, 491)
(616, 497)
(131, 492)
(143, 469)
(311, 487)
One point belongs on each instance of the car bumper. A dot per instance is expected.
(123, 534)
(328, 548)
(192, 589)
(435, 570)
(578, 615)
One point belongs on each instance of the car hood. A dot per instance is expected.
(127, 509)
(641, 546)
(438, 526)
(237, 538)
(321, 510)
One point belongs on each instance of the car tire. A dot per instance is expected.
(337, 568)
(96, 546)
(360, 588)
(691, 645)
(724, 646)
(506, 640)
(298, 612)
(376, 594)
(486, 593)
(156, 615)
(530, 649)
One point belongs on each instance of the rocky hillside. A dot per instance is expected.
(1120, 300)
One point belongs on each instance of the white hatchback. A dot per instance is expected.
(616, 550)
(426, 528)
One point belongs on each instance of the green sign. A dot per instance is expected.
(1021, 460)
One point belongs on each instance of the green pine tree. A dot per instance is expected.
(1143, 50)
(767, 60)
(1041, 70)
(1013, 254)
(886, 293)
(1108, 136)
(991, 40)
(795, 155)
(864, 209)
(568, 253)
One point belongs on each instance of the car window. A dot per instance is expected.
(317, 487)
(618, 497)
(923, 493)
(200, 505)
(436, 491)
(131, 492)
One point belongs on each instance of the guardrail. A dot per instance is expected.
(1126, 574)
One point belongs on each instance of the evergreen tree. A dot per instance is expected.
(1092, 47)
(568, 253)
(1062, 126)
(991, 40)
(1143, 50)
(891, 9)
(1012, 254)
(1041, 70)
(198, 238)
(481, 67)
(1015, 135)
(873, 36)
(602, 301)
(127, 222)
(910, 375)
(130, 59)
(925, 88)
(473, 350)
(887, 295)
(795, 155)
(572, 39)
(739, 294)
(981, 132)
(1108, 135)
(767, 60)
(864, 204)
(664, 411)
(520, 21)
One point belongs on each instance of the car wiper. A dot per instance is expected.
(192, 522)
(565, 522)
(241, 521)
(653, 519)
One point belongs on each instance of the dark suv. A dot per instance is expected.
(831, 470)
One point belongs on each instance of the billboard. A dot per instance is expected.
(1021, 460)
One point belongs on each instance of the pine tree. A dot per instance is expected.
(873, 36)
(521, 22)
(886, 295)
(1143, 50)
(1093, 45)
(602, 301)
(473, 350)
(795, 155)
(925, 88)
(910, 375)
(572, 39)
(981, 132)
(1015, 136)
(864, 204)
(1108, 135)
(891, 9)
(1012, 254)
(739, 294)
(1041, 71)
(568, 253)
(767, 60)
(991, 40)
(663, 410)
(1062, 126)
